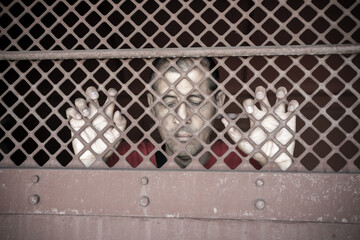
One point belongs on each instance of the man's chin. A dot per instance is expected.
(184, 157)
(183, 161)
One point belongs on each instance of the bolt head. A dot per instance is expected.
(144, 201)
(144, 180)
(260, 204)
(35, 178)
(259, 182)
(34, 199)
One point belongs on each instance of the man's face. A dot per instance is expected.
(183, 113)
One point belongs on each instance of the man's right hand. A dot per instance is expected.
(88, 110)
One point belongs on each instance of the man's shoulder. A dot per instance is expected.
(146, 146)
(219, 145)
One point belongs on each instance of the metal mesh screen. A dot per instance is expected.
(36, 93)
(34, 25)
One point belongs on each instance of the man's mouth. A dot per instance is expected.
(183, 137)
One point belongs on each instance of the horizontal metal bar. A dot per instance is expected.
(182, 52)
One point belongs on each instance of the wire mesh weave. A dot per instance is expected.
(35, 94)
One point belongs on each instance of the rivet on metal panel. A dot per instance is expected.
(144, 201)
(260, 204)
(144, 180)
(259, 182)
(34, 199)
(35, 178)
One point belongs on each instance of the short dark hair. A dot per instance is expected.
(185, 64)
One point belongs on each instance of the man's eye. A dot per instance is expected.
(170, 104)
(195, 103)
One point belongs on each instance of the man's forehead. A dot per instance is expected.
(185, 85)
(195, 75)
(171, 76)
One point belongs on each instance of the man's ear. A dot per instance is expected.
(150, 100)
(220, 99)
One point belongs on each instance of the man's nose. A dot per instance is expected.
(183, 111)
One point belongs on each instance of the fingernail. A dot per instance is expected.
(231, 130)
(78, 116)
(223, 120)
(94, 95)
(249, 109)
(86, 112)
(280, 94)
(291, 108)
(112, 92)
(260, 95)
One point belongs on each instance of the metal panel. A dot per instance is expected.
(213, 195)
(39, 227)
